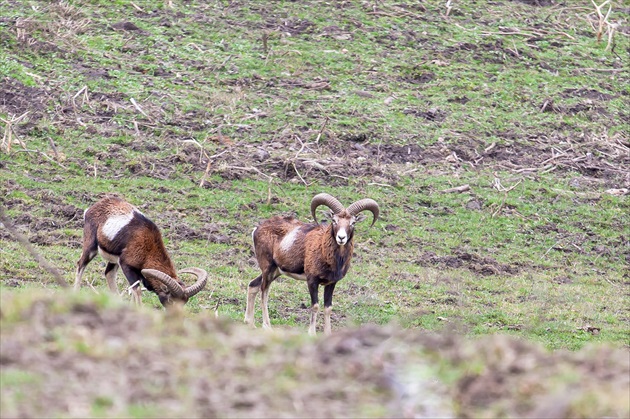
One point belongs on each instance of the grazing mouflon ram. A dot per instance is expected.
(320, 254)
(125, 237)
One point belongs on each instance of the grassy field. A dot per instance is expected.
(211, 116)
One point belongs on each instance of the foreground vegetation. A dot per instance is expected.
(493, 137)
(78, 356)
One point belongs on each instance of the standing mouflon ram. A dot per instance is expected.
(320, 254)
(125, 237)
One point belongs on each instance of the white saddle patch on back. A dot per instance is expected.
(115, 223)
(289, 239)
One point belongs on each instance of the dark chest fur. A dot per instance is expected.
(336, 268)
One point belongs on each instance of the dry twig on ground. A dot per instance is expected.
(458, 189)
(8, 137)
(449, 7)
(602, 22)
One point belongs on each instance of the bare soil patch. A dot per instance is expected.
(482, 265)
(16, 99)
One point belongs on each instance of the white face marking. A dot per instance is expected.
(115, 223)
(342, 237)
(108, 256)
(289, 239)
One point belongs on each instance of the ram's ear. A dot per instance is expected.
(329, 215)
(359, 217)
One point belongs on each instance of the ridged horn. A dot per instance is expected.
(365, 204)
(202, 278)
(328, 200)
(173, 286)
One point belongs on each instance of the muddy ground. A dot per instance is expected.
(287, 159)
(329, 161)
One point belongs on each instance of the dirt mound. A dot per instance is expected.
(78, 358)
(17, 99)
(460, 259)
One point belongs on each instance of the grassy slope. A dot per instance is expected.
(542, 260)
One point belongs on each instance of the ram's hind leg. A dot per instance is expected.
(264, 296)
(252, 292)
(267, 278)
(89, 252)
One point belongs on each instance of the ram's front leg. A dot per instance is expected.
(134, 277)
(328, 295)
(110, 276)
(313, 288)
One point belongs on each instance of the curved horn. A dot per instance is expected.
(328, 200)
(172, 285)
(365, 204)
(202, 277)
